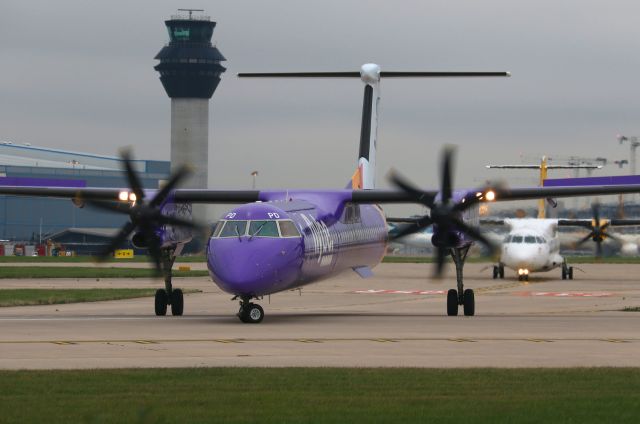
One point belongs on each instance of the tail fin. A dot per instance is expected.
(364, 177)
(370, 75)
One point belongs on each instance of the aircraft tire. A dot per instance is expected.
(564, 273)
(501, 271)
(495, 272)
(177, 302)
(161, 301)
(452, 302)
(253, 313)
(469, 303)
(570, 273)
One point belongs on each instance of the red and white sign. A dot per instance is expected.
(422, 292)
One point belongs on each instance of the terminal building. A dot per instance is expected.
(33, 219)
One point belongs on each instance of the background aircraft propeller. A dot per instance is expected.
(445, 214)
(597, 230)
(145, 216)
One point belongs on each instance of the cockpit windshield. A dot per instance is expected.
(233, 228)
(525, 239)
(263, 229)
(259, 228)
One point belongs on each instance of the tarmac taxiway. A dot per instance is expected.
(394, 319)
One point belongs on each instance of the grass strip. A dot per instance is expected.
(321, 395)
(25, 297)
(84, 259)
(88, 272)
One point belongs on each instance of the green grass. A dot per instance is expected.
(75, 259)
(88, 272)
(321, 395)
(24, 297)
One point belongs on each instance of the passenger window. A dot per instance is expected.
(530, 239)
(263, 229)
(507, 239)
(218, 229)
(233, 229)
(542, 240)
(516, 239)
(288, 229)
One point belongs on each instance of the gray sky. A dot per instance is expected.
(79, 75)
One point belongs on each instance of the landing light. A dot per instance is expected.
(490, 196)
(123, 196)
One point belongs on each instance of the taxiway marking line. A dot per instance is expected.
(328, 339)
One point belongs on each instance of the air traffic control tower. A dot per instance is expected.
(190, 72)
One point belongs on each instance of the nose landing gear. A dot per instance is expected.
(460, 297)
(250, 313)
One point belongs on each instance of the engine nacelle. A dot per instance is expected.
(445, 238)
(139, 241)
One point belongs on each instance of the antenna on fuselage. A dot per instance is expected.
(370, 75)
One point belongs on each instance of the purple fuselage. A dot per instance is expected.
(329, 237)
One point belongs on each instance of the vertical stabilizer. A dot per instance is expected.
(370, 75)
(542, 207)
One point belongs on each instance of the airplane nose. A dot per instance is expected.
(254, 267)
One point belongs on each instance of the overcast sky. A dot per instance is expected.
(79, 75)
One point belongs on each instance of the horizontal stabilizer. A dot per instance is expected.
(363, 271)
(383, 74)
(547, 166)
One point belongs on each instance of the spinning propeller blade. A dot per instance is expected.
(145, 217)
(444, 213)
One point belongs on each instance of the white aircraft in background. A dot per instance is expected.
(417, 240)
(533, 244)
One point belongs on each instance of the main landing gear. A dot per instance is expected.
(250, 313)
(168, 295)
(461, 296)
(567, 271)
(498, 271)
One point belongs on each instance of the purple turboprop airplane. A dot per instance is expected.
(283, 239)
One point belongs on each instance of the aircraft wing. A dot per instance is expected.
(99, 193)
(587, 223)
(356, 196)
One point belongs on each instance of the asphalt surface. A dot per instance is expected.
(395, 319)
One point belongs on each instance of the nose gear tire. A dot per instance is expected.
(161, 302)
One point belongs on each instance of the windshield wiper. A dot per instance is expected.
(258, 230)
(235, 228)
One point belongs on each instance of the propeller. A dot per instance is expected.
(445, 214)
(145, 216)
(597, 230)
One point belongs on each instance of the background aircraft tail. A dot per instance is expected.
(544, 167)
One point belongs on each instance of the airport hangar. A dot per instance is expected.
(33, 218)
